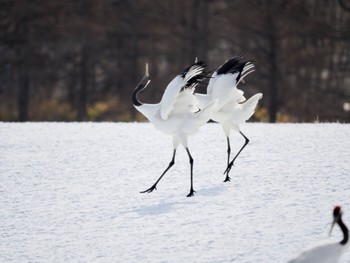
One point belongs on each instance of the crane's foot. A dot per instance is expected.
(227, 171)
(227, 179)
(150, 190)
(191, 193)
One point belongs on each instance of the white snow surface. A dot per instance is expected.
(69, 192)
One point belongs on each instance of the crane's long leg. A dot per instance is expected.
(228, 159)
(191, 162)
(149, 190)
(229, 166)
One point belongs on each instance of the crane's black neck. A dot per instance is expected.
(142, 85)
(134, 98)
(345, 232)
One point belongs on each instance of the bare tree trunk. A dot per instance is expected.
(23, 86)
(82, 97)
(200, 28)
(274, 71)
(274, 100)
(22, 28)
(72, 86)
(135, 10)
(84, 62)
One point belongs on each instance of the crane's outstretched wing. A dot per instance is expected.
(185, 81)
(222, 85)
(225, 90)
(225, 68)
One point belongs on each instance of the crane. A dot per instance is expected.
(232, 108)
(178, 113)
(327, 252)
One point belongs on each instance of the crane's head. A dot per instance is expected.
(142, 85)
(337, 213)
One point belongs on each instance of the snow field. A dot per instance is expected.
(69, 192)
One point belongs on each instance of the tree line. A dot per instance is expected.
(80, 60)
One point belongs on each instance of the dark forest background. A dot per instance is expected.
(80, 60)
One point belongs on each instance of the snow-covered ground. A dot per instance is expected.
(70, 193)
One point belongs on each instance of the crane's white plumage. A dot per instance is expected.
(178, 113)
(170, 96)
(232, 108)
(175, 93)
(326, 251)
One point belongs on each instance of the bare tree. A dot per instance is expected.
(81, 60)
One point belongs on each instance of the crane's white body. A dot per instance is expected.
(179, 113)
(324, 252)
(232, 108)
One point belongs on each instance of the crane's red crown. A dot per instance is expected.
(337, 210)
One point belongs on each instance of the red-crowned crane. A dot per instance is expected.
(327, 252)
(232, 108)
(178, 113)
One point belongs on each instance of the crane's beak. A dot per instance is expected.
(146, 70)
(146, 79)
(330, 231)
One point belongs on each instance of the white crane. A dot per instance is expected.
(327, 252)
(232, 108)
(178, 113)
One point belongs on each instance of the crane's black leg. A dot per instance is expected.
(228, 160)
(228, 169)
(149, 190)
(191, 162)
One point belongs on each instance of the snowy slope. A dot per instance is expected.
(70, 193)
